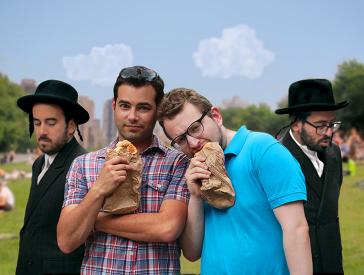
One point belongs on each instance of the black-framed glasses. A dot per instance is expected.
(194, 130)
(322, 129)
(139, 73)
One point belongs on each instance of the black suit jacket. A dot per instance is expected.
(321, 208)
(38, 249)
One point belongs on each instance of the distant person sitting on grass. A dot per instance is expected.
(350, 165)
(7, 200)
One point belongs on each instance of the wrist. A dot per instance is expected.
(97, 192)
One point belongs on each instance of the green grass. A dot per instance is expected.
(11, 222)
(351, 216)
(351, 213)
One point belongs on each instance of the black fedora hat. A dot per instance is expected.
(56, 92)
(311, 95)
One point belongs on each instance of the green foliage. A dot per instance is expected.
(256, 118)
(349, 85)
(14, 134)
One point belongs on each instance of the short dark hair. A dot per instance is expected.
(157, 82)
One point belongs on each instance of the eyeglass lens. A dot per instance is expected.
(322, 129)
(194, 130)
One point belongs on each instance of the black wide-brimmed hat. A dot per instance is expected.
(56, 92)
(311, 95)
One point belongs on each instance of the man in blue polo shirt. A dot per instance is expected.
(265, 232)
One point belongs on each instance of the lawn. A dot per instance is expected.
(351, 216)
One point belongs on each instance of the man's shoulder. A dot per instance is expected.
(333, 150)
(173, 153)
(261, 140)
(169, 156)
(91, 156)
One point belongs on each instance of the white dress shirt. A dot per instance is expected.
(48, 159)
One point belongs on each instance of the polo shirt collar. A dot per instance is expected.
(238, 141)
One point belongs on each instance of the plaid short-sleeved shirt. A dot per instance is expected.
(162, 179)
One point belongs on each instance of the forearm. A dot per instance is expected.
(192, 236)
(164, 226)
(298, 250)
(77, 221)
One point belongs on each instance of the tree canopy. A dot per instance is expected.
(349, 85)
(14, 133)
(255, 117)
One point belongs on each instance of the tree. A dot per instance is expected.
(349, 85)
(14, 134)
(256, 118)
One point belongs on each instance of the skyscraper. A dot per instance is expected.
(108, 122)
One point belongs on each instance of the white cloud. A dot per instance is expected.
(237, 52)
(100, 66)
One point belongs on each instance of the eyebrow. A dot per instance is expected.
(138, 104)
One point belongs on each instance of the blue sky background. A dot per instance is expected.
(251, 49)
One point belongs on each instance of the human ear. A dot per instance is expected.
(216, 115)
(296, 126)
(71, 127)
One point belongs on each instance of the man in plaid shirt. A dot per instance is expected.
(144, 242)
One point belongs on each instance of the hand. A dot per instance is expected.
(196, 171)
(112, 175)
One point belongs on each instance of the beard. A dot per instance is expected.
(313, 144)
(52, 147)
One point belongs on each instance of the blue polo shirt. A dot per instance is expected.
(247, 238)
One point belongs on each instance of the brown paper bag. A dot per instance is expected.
(125, 199)
(217, 190)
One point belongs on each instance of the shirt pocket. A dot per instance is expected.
(153, 192)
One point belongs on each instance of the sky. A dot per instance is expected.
(250, 49)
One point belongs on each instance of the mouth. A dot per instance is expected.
(133, 127)
(325, 141)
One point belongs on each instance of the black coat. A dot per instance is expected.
(321, 208)
(38, 249)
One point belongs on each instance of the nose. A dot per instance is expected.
(132, 115)
(42, 129)
(193, 142)
(329, 132)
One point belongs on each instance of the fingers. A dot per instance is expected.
(117, 160)
(196, 171)
(200, 158)
(113, 174)
(198, 168)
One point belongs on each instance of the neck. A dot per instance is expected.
(227, 136)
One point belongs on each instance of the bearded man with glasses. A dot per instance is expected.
(145, 241)
(265, 232)
(311, 108)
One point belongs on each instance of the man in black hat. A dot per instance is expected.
(54, 115)
(311, 108)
